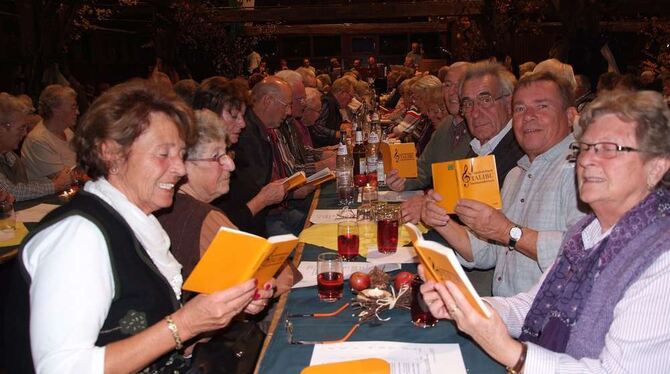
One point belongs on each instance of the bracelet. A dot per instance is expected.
(175, 332)
(516, 369)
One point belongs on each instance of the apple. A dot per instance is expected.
(359, 281)
(402, 278)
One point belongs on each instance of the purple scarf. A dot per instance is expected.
(573, 309)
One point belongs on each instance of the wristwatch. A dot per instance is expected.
(514, 236)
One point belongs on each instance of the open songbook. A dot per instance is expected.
(440, 264)
(235, 256)
(298, 179)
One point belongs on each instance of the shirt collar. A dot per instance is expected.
(485, 149)
(560, 149)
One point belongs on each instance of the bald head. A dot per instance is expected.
(272, 101)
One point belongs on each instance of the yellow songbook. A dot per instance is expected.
(296, 180)
(440, 264)
(364, 366)
(235, 256)
(471, 178)
(401, 156)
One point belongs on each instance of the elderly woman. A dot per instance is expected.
(46, 151)
(603, 306)
(103, 288)
(192, 222)
(14, 120)
(427, 95)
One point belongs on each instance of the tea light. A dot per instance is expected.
(369, 194)
(66, 195)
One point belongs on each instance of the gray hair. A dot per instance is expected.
(558, 68)
(646, 110)
(52, 97)
(506, 80)
(313, 96)
(210, 129)
(291, 77)
(10, 107)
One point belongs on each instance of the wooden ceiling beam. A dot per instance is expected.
(351, 12)
(352, 28)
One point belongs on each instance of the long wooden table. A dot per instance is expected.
(278, 356)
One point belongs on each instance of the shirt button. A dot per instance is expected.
(499, 279)
(523, 200)
(530, 176)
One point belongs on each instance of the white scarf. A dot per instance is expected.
(146, 228)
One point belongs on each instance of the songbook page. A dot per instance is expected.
(331, 215)
(405, 358)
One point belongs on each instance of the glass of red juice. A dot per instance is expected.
(347, 239)
(388, 222)
(330, 277)
(421, 316)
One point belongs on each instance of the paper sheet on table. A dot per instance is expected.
(404, 255)
(394, 196)
(36, 213)
(308, 271)
(330, 215)
(405, 358)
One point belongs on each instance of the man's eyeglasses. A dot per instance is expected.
(601, 150)
(483, 100)
(221, 159)
(282, 102)
(22, 127)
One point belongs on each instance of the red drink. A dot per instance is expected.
(421, 315)
(330, 286)
(360, 180)
(347, 246)
(387, 235)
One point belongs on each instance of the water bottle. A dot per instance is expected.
(344, 170)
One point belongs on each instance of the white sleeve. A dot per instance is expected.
(71, 290)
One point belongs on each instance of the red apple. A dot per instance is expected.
(359, 281)
(402, 278)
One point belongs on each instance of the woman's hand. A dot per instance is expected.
(445, 300)
(211, 312)
(261, 298)
(432, 214)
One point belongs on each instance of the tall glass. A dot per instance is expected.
(388, 223)
(7, 220)
(330, 277)
(347, 239)
(421, 316)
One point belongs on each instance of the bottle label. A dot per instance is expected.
(381, 177)
(373, 137)
(359, 137)
(363, 166)
(342, 150)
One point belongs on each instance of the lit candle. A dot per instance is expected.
(369, 194)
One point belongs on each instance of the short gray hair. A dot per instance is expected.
(210, 129)
(52, 97)
(647, 110)
(506, 80)
(10, 107)
(291, 77)
(313, 96)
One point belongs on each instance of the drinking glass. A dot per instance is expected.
(421, 316)
(388, 222)
(330, 277)
(7, 220)
(347, 239)
(369, 194)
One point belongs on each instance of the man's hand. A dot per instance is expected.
(62, 180)
(394, 181)
(303, 191)
(433, 214)
(273, 192)
(485, 221)
(411, 209)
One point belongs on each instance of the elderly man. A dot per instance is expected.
(46, 151)
(448, 143)
(539, 194)
(256, 184)
(339, 96)
(13, 176)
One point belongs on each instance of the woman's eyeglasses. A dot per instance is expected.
(221, 159)
(601, 150)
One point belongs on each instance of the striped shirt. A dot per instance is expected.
(638, 341)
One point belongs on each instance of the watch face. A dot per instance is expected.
(515, 233)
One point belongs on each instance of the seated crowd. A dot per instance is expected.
(579, 251)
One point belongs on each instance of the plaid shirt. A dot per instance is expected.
(13, 179)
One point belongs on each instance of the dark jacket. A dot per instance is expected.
(253, 170)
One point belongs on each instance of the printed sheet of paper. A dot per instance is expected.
(35, 214)
(308, 271)
(331, 215)
(405, 358)
(404, 255)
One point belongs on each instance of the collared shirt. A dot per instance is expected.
(637, 340)
(485, 149)
(13, 179)
(541, 196)
(44, 153)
